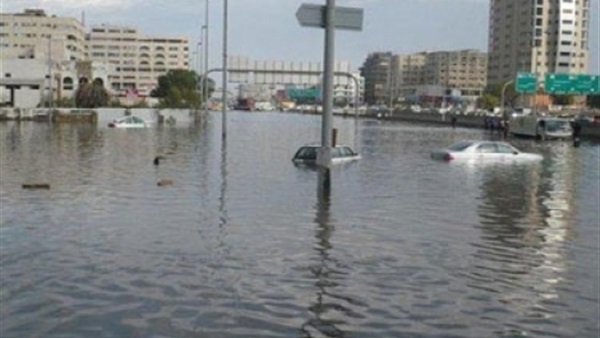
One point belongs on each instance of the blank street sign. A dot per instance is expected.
(347, 18)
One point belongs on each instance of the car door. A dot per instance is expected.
(507, 152)
(487, 151)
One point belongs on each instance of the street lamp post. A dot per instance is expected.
(224, 100)
(502, 98)
(51, 94)
(205, 79)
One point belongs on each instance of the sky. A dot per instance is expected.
(268, 29)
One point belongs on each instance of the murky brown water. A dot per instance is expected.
(242, 246)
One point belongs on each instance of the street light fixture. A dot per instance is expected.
(224, 100)
(205, 78)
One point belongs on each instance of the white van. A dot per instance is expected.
(540, 127)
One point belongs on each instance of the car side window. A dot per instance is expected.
(486, 148)
(336, 152)
(307, 153)
(505, 149)
(347, 152)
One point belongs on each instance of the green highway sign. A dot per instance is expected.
(572, 84)
(526, 83)
(304, 93)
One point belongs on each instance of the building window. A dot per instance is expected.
(68, 83)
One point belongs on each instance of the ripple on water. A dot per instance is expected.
(241, 245)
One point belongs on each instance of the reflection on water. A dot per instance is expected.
(395, 245)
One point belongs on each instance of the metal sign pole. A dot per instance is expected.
(224, 103)
(325, 153)
(205, 79)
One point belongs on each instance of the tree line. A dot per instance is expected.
(176, 89)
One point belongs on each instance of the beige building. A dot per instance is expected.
(137, 60)
(33, 34)
(538, 36)
(462, 73)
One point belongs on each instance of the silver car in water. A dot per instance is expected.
(483, 151)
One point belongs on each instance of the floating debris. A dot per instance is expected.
(164, 182)
(157, 159)
(33, 186)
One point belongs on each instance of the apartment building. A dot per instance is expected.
(376, 71)
(137, 60)
(463, 72)
(34, 34)
(538, 36)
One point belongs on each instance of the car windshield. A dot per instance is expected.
(306, 153)
(460, 146)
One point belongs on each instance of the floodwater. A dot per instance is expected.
(244, 244)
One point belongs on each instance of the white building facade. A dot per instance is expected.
(137, 60)
(33, 33)
(27, 83)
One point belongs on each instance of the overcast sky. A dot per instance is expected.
(268, 29)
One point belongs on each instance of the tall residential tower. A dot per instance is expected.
(537, 36)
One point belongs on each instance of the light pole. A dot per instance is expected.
(502, 98)
(390, 89)
(224, 103)
(51, 90)
(205, 79)
(50, 74)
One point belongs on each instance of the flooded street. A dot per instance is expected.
(242, 244)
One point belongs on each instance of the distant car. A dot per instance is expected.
(483, 150)
(308, 154)
(128, 122)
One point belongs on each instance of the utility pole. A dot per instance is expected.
(51, 94)
(390, 89)
(224, 103)
(205, 79)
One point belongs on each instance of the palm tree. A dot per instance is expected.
(92, 95)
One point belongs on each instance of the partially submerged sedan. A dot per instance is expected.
(339, 154)
(130, 121)
(483, 150)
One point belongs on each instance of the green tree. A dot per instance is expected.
(65, 102)
(210, 83)
(91, 95)
(488, 101)
(495, 91)
(178, 89)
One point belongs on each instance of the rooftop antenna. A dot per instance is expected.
(83, 18)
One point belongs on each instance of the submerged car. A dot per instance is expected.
(128, 122)
(483, 150)
(308, 154)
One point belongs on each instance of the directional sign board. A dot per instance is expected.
(348, 18)
(572, 84)
(526, 83)
(308, 93)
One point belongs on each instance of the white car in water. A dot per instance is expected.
(128, 122)
(339, 154)
(483, 151)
